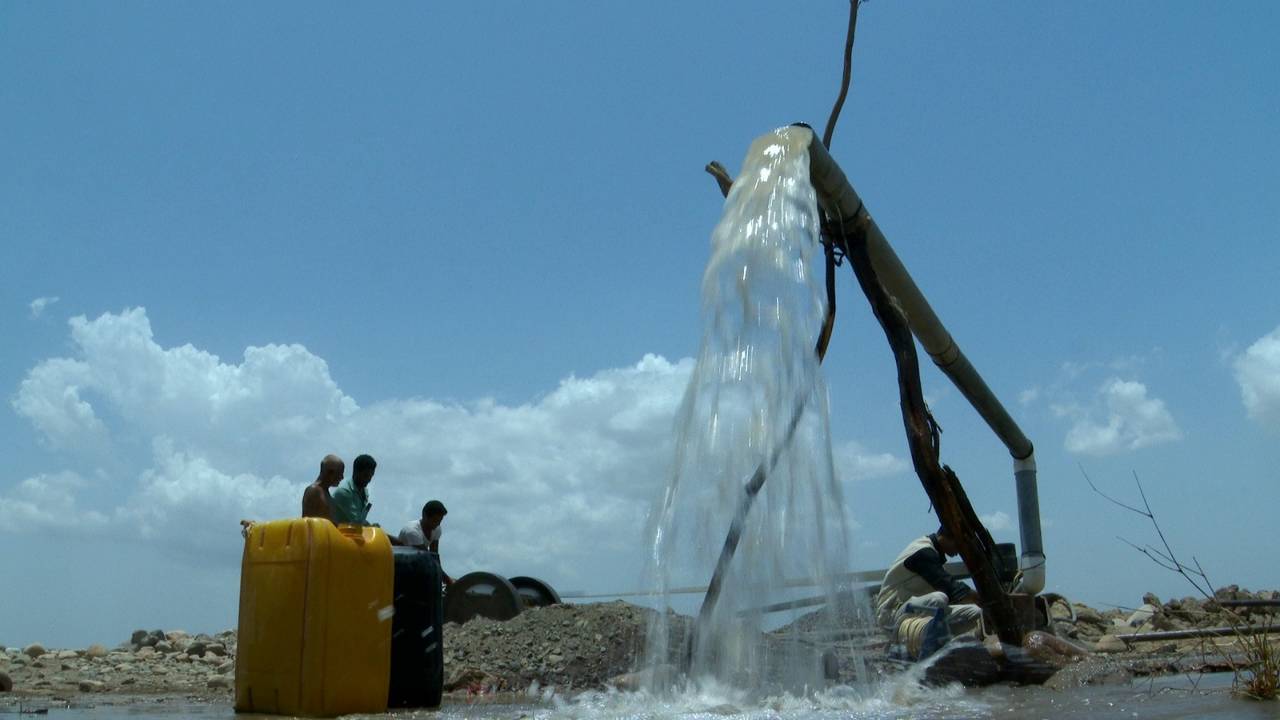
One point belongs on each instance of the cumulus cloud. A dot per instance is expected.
(39, 305)
(854, 462)
(996, 521)
(1121, 417)
(1257, 371)
(48, 502)
(1028, 396)
(182, 444)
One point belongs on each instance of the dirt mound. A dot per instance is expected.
(568, 646)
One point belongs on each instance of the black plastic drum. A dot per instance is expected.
(417, 645)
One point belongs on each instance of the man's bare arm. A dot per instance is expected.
(313, 503)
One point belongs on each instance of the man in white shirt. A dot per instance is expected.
(425, 532)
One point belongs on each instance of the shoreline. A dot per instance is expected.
(568, 649)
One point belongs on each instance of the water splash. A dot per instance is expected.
(756, 381)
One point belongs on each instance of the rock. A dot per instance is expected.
(1086, 614)
(67, 654)
(196, 648)
(146, 651)
(1142, 616)
(95, 651)
(216, 648)
(632, 681)
(34, 650)
(1110, 644)
(176, 636)
(1094, 671)
(219, 682)
(6, 684)
(92, 686)
(468, 678)
(146, 638)
(164, 646)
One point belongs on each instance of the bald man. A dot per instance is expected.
(316, 501)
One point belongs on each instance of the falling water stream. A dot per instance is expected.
(756, 402)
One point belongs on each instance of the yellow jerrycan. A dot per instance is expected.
(315, 619)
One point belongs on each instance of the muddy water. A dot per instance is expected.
(1168, 698)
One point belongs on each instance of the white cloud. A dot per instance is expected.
(39, 305)
(1257, 372)
(1028, 396)
(191, 444)
(853, 462)
(1122, 417)
(48, 502)
(996, 521)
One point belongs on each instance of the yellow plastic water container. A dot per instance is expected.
(315, 619)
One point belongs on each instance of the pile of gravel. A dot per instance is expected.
(571, 647)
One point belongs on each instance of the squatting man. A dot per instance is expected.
(917, 582)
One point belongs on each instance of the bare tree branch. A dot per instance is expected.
(1110, 499)
(723, 179)
(848, 73)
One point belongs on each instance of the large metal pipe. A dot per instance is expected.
(841, 202)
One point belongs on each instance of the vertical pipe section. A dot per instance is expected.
(841, 202)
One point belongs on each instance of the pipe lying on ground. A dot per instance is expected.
(838, 196)
(1199, 633)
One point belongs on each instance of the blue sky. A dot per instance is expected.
(469, 239)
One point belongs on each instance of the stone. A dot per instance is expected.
(164, 646)
(67, 654)
(219, 682)
(137, 637)
(1110, 644)
(6, 683)
(34, 650)
(1142, 616)
(95, 651)
(216, 648)
(196, 647)
(146, 651)
(1085, 614)
(1094, 671)
(92, 686)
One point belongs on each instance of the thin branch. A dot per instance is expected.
(1110, 499)
(723, 179)
(848, 73)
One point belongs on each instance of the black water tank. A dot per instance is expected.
(417, 646)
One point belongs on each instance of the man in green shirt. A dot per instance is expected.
(351, 498)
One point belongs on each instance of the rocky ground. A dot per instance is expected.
(573, 647)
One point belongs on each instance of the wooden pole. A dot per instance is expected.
(940, 483)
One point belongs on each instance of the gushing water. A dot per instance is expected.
(756, 400)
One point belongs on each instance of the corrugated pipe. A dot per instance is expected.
(842, 204)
